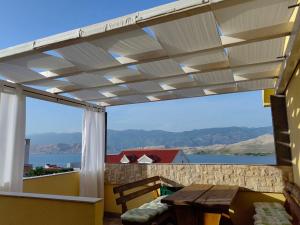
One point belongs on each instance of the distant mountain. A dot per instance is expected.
(119, 140)
(56, 148)
(203, 137)
(55, 138)
(262, 145)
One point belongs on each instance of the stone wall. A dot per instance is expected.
(257, 178)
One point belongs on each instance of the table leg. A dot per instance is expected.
(186, 215)
(225, 219)
(207, 218)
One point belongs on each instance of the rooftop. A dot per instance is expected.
(157, 155)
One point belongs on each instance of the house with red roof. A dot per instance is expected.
(149, 155)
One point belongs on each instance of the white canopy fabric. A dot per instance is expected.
(93, 154)
(12, 140)
(184, 49)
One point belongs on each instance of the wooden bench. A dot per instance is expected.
(145, 186)
(292, 203)
(272, 211)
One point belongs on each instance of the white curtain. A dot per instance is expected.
(12, 140)
(93, 153)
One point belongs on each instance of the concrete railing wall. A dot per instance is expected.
(54, 184)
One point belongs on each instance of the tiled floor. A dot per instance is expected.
(112, 221)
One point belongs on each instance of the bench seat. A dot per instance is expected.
(145, 212)
(271, 213)
(152, 213)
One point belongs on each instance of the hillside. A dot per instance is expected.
(203, 137)
(55, 138)
(118, 140)
(261, 145)
(56, 149)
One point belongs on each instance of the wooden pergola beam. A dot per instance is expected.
(161, 14)
(119, 25)
(186, 86)
(46, 96)
(217, 67)
(184, 97)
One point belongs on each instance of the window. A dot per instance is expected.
(53, 137)
(231, 128)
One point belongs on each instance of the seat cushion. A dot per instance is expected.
(274, 220)
(274, 209)
(158, 207)
(139, 215)
(145, 212)
(268, 213)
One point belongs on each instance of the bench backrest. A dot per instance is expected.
(292, 204)
(147, 185)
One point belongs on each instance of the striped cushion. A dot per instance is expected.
(139, 215)
(275, 220)
(268, 213)
(145, 212)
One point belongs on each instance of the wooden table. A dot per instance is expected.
(192, 201)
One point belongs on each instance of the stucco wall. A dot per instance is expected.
(38, 211)
(68, 184)
(256, 178)
(293, 111)
(55, 184)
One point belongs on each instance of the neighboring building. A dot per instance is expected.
(27, 165)
(51, 166)
(27, 169)
(147, 156)
(27, 148)
(74, 165)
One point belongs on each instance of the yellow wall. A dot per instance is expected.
(293, 111)
(266, 94)
(242, 209)
(33, 211)
(54, 211)
(56, 184)
(68, 184)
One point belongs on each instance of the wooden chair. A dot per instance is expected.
(292, 203)
(146, 186)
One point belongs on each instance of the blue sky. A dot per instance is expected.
(22, 21)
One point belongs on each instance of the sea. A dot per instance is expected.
(63, 159)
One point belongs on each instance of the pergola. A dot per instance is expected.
(184, 49)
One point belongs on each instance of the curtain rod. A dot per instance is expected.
(46, 96)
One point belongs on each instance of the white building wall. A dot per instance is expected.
(180, 158)
(27, 148)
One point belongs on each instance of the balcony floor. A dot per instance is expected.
(112, 221)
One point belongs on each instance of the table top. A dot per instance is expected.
(214, 197)
(219, 197)
(187, 195)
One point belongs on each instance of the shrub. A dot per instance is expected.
(40, 171)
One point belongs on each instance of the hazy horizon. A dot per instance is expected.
(149, 130)
(239, 110)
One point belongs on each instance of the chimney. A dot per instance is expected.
(27, 147)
